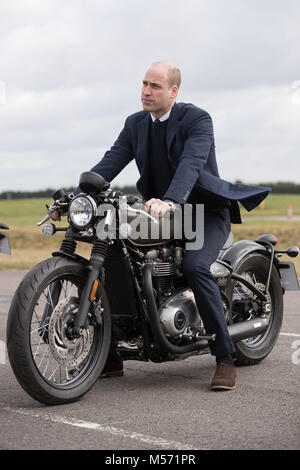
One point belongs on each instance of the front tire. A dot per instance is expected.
(52, 367)
(254, 267)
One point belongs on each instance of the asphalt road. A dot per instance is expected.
(163, 406)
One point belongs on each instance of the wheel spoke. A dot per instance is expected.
(55, 356)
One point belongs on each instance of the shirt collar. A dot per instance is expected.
(162, 118)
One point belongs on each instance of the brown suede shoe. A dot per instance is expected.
(112, 368)
(224, 378)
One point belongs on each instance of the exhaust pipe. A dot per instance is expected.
(237, 331)
(247, 329)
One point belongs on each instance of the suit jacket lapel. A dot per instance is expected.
(142, 155)
(143, 140)
(172, 126)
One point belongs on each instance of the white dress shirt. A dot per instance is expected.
(162, 118)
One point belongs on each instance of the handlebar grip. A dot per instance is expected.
(131, 199)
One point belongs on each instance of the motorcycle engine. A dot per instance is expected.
(179, 314)
(178, 311)
(166, 265)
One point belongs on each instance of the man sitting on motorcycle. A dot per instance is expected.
(173, 146)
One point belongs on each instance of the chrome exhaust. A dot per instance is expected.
(248, 329)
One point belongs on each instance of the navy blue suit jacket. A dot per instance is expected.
(191, 152)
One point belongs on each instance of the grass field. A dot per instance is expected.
(29, 246)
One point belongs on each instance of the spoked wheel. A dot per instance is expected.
(254, 267)
(50, 364)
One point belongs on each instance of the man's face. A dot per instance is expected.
(157, 97)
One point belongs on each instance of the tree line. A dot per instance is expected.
(280, 187)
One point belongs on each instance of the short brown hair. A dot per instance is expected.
(174, 74)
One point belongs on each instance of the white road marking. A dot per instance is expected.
(122, 433)
(290, 334)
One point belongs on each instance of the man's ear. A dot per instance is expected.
(174, 91)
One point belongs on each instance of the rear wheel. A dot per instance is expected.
(51, 366)
(254, 267)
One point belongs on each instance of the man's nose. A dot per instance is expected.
(147, 90)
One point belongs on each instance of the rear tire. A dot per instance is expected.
(49, 366)
(253, 350)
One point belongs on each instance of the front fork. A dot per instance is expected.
(89, 291)
(97, 259)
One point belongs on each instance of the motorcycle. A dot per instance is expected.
(130, 299)
(4, 240)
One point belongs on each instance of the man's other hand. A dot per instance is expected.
(57, 216)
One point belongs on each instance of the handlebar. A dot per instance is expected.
(61, 205)
(57, 206)
(141, 212)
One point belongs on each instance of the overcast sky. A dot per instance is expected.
(71, 72)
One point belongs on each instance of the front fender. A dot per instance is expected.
(71, 256)
(238, 250)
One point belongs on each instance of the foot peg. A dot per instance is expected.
(199, 336)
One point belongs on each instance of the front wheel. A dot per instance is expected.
(254, 267)
(50, 365)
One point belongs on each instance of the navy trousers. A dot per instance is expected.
(196, 268)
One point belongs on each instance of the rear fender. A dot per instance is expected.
(286, 270)
(239, 250)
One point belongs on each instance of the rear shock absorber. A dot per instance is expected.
(97, 259)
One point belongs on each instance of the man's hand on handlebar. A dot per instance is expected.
(157, 208)
(57, 215)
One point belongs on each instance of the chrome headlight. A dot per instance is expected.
(82, 210)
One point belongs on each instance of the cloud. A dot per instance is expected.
(256, 132)
(72, 72)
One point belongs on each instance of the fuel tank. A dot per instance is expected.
(142, 230)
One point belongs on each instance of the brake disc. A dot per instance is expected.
(67, 352)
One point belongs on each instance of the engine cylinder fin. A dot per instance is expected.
(163, 276)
